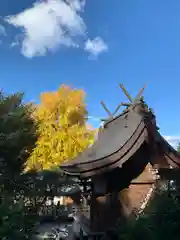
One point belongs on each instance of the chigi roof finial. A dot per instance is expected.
(132, 101)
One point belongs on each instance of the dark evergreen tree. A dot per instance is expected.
(17, 138)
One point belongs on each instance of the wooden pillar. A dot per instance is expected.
(105, 212)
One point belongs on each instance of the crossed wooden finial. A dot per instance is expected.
(132, 101)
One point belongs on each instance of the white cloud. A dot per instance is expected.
(50, 24)
(95, 46)
(16, 42)
(173, 140)
(2, 30)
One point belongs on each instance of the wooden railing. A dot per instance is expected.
(81, 209)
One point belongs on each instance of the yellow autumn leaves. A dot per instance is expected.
(62, 129)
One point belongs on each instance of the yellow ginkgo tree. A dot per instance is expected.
(62, 128)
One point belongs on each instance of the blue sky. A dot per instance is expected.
(99, 44)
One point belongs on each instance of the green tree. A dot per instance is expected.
(17, 138)
(160, 220)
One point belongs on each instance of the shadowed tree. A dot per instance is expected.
(17, 138)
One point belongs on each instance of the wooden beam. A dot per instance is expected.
(121, 105)
(118, 107)
(143, 183)
(106, 109)
(126, 93)
(140, 93)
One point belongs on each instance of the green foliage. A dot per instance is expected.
(17, 138)
(17, 223)
(17, 135)
(161, 220)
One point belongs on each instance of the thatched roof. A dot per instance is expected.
(120, 139)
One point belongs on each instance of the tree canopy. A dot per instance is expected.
(17, 135)
(17, 138)
(62, 130)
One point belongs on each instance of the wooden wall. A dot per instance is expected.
(137, 193)
(108, 209)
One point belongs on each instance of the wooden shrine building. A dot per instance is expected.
(128, 145)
